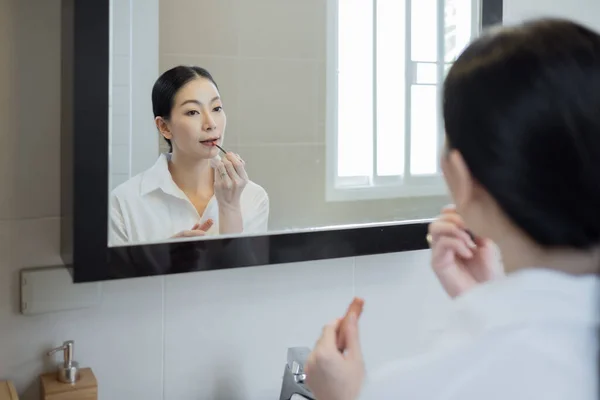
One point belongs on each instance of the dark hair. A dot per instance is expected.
(522, 106)
(168, 84)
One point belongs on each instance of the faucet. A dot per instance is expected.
(293, 387)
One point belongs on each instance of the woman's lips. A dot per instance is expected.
(209, 142)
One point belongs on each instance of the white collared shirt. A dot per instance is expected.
(150, 207)
(531, 335)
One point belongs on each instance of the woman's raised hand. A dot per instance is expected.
(230, 180)
(459, 260)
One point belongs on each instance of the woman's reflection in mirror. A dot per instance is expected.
(195, 189)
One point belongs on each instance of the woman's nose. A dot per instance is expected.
(208, 124)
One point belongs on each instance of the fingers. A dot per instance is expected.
(197, 230)
(230, 168)
(233, 157)
(350, 337)
(190, 233)
(449, 237)
(193, 233)
(446, 228)
(450, 223)
(352, 314)
(222, 177)
(238, 165)
(453, 217)
(329, 334)
(447, 244)
(230, 171)
(206, 225)
(325, 349)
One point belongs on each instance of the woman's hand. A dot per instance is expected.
(197, 230)
(335, 375)
(459, 261)
(230, 180)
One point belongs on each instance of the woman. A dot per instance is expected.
(522, 162)
(195, 189)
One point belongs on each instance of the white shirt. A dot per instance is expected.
(531, 335)
(150, 207)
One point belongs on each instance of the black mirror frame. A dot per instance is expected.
(85, 177)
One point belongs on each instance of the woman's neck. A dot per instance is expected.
(193, 176)
(520, 252)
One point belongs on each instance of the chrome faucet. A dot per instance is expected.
(293, 386)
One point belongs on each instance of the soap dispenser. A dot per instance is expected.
(69, 382)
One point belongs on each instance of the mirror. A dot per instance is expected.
(328, 110)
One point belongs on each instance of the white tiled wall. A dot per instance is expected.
(120, 80)
(179, 337)
(133, 137)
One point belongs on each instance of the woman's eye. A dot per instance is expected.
(192, 112)
(218, 109)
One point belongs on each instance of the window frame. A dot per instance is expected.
(339, 189)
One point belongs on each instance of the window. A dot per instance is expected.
(386, 61)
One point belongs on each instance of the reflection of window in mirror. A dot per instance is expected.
(386, 64)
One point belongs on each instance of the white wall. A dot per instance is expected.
(584, 11)
(133, 136)
(194, 336)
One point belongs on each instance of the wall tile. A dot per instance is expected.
(278, 101)
(121, 101)
(404, 305)
(322, 102)
(120, 130)
(32, 119)
(120, 72)
(282, 29)
(119, 159)
(117, 179)
(199, 27)
(517, 11)
(292, 177)
(121, 15)
(235, 326)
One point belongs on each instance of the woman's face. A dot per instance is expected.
(197, 120)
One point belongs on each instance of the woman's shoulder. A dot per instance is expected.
(255, 191)
(471, 369)
(144, 181)
(131, 188)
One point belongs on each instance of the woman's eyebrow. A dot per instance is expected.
(197, 102)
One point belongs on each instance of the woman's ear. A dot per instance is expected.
(163, 127)
(458, 177)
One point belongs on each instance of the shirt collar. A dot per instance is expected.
(158, 177)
